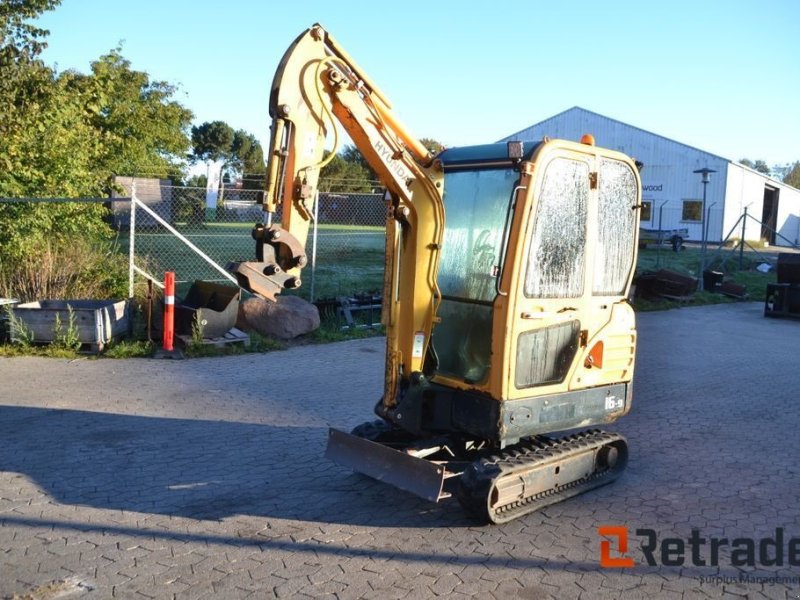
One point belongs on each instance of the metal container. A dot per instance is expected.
(97, 322)
(788, 268)
(782, 301)
(210, 307)
(712, 280)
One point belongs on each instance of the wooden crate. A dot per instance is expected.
(233, 336)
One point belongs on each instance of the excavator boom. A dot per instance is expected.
(317, 85)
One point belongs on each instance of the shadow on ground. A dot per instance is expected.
(199, 469)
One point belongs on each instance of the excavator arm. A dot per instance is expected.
(316, 85)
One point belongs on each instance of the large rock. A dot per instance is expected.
(285, 319)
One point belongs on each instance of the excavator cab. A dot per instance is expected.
(533, 331)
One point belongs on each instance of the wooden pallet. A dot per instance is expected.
(233, 336)
(679, 299)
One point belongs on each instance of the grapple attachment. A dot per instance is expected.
(279, 257)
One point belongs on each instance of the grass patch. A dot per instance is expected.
(349, 261)
(47, 351)
(119, 349)
(755, 282)
(724, 260)
(700, 298)
(129, 349)
(331, 331)
(349, 257)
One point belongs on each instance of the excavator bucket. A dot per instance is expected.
(421, 477)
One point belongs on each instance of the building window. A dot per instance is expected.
(646, 213)
(692, 211)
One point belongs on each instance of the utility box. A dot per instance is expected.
(783, 301)
(712, 280)
(783, 298)
(788, 268)
(211, 307)
(96, 322)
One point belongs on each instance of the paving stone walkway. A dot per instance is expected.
(205, 479)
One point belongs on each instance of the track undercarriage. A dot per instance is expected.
(496, 485)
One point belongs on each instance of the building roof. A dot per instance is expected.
(594, 114)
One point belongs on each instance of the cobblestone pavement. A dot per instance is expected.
(205, 478)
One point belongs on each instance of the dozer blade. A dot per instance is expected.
(409, 473)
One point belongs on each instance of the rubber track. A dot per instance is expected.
(477, 481)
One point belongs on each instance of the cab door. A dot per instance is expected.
(610, 321)
(572, 327)
(548, 323)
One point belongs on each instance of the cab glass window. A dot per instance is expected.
(476, 204)
(616, 220)
(557, 253)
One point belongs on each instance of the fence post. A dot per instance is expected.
(741, 242)
(314, 245)
(706, 216)
(169, 310)
(131, 239)
(658, 236)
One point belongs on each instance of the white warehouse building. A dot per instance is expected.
(672, 193)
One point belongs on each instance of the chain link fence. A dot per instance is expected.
(667, 231)
(169, 228)
(163, 227)
(173, 230)
(735, 243)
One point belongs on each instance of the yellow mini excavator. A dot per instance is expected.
(507, 272)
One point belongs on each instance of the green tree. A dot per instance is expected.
(759, 165)
(212, 140)
(433, 146)
(24, 80)
(793, 176)
(248, 160)
(18, 38)
(67, 135)
(240, 151)
(71, 133)
(343, 175)
(47, 147)
(143, 130)
(246, 153)
(353, 155)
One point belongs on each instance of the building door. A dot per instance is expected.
(769, 216)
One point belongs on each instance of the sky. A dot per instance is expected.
(723, 76)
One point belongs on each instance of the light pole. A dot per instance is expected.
(705, 175)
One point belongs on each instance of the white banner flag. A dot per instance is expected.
(212, 184)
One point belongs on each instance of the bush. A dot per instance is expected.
(61, 270)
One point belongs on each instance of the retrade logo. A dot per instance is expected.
(698, 550)
(618, 560)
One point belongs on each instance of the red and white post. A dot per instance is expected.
(169, 310)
